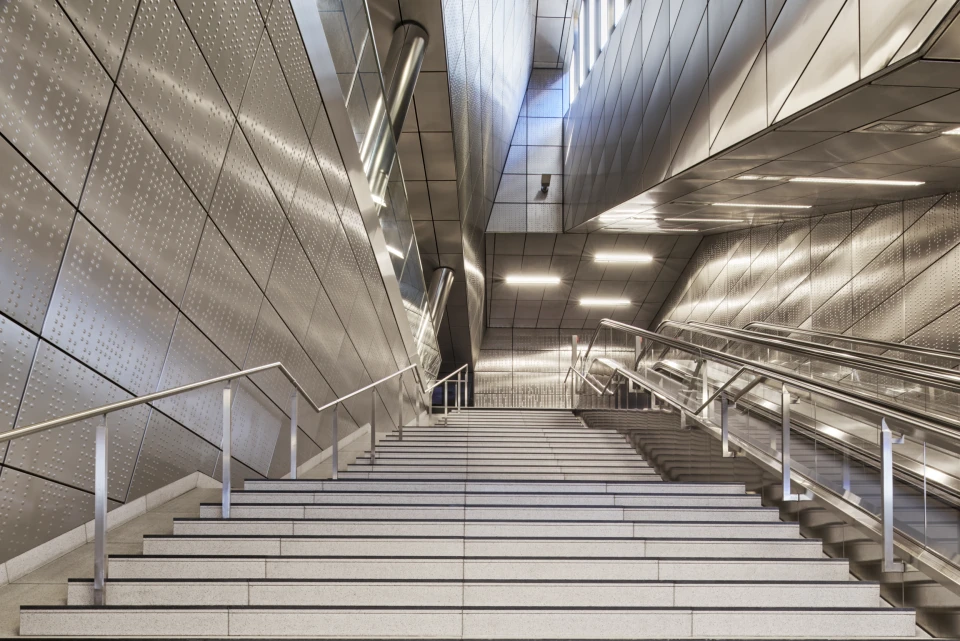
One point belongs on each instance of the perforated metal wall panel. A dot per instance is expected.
(877, 272)
(203, 243)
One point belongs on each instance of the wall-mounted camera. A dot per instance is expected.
(544, 183)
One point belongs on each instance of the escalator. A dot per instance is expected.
(846, 413)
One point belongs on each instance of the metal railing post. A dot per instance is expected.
(293, 433)
(886, 464)
(336, 444)
(788, 494)
(100, 558)
(225, 457)
(704, 390)
(400, 410)
(446, 393)
(724, 427)
(459, 389)
(373, 426)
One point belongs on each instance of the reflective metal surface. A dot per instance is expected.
(216, 224)
(705, 92)
(438, 291)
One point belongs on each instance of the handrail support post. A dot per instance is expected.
(788, 494)
(100, 558)
(336, 444)
(294, 398)
(886, 463)
(225, 456)
(373, 426)
(400, 409)
(725, 427)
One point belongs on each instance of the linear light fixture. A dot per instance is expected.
(755, 177)
(604, 257)
(951, 132)
(607, 302)
(703, 220)
(393, 250)
(856, 181)
(533, 280)
(624, 215)
(760, 206)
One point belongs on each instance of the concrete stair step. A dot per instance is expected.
(468, 623)
(520, 548)
(477, 593)
(473, 475)
(499, 513)
(528, 499)
(391, 458)
(711, 529)
(501, 486)
(545, 467)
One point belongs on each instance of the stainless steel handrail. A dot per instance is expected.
(939, 377)
(102, 434)
(922, 426)
(853, 340)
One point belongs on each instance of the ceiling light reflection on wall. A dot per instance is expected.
(760, 206)
(755, 177)
(856, 181)
(533, 280)
(604, 302)
(703, 220)
(396, 252)
(622, 258)
(951, 132)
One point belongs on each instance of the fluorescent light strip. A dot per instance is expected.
(608, 302)
(622, 258)
(755, 177)
(856, 181)
(951, 132)
(703, 220)
(760, 206)
(533, 280)
(396, 252)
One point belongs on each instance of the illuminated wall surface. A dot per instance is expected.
(886, 272)
(173, 207)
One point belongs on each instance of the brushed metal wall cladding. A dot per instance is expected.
(270, 120)
(271, 342)
(168, 83)
(293, 285)
(137, 199)
(192, 357)
(325, 334)
(246, 210)
(55, 92)
(60, 385)
(168, 453)
(285, 35)
(257, 423)
(34, 509)
(105, 313)
(228, 34)
(313, 214)
(105, 26)
(878, 272)
(17, 349)
(222, 298)
(36, 221)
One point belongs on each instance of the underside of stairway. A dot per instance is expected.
(487, 525)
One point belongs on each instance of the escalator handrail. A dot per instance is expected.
(939, 430)
(869, 342)
(939, 377)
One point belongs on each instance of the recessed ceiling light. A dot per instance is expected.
(610, 302)
(951, 132)
(703, 220)
(755, 177)
(624, 215)
(855, 181)
(622, 258)
(393, 250)
(533, 280)
(760, 206)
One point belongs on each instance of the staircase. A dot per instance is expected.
(495, 524)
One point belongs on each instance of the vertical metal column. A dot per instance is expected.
(226, 457)
(293, 434)
(724, 427)
(336, 441)
(373, 426)
(886, 465)
(400, 409)
(446, 394)
(100, 559)
(704, 389)
(788, 494)
(574, 361)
